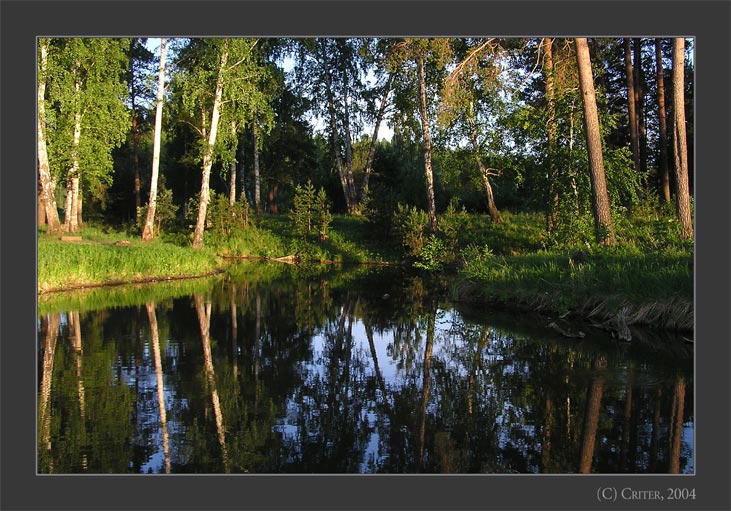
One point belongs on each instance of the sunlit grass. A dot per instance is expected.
(107, 257)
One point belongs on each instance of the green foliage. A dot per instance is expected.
(310, 211)
(302, 209)
(165, 211)
(410, 223)
(432, 255)
(223, 218)
(322, 214)
(85, 78)
(451, 227)
(378, 210)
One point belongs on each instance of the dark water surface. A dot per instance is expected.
(281, 369)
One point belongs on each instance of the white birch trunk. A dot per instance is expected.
(148, 231)
(208, 155)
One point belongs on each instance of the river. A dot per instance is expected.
(276, 368)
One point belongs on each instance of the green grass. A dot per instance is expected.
(98, 260)
(606, 281)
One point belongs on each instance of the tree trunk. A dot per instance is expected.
(552, 212)
(48, 183)
(136, 161)
(600, 199)
(632, 104)
(273, 208)
(663, 142)
(336, 136)
(72, 205)
(427, 146)
(682, 195)
(205, 194)
(484, 172)
(640, 105)
(257, 178)
(148, 232)
(349, 155)
(40, 205)
(72, 213)
(374, 140)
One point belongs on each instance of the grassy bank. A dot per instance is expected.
(107, 257)
(644, 289)
(646, 279)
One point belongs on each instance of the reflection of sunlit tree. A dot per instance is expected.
(591, 416)
(676, 425)
(204, 319)
(51, 324)
(160, 387)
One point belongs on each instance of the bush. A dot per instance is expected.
(165, 211)
(432, 255)
(410, 223)
(452, 227)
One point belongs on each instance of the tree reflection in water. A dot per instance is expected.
(278, 369)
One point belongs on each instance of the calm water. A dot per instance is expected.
(280, 369)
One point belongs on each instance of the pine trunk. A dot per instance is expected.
(632, 104)
(662, 117)
(48, 183)
(640, 105)
(427, 146)
(148, 232)
(205, 194)
(600, 199)
(682, 195)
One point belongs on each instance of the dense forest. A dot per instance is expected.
(561, 127)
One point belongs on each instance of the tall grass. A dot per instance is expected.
(98, 260)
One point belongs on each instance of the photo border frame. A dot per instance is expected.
(21, 22)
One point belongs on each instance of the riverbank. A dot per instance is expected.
(615, 290)
(615, 287)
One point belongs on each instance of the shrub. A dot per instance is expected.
(410, 223)
(432, 255)
(165, 211)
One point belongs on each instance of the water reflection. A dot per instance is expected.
(280, 369)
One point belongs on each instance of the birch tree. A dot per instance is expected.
(411, 57)
(47, 180)
(148, 231)
(231, 66)
(88, 93)
(472, 79)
